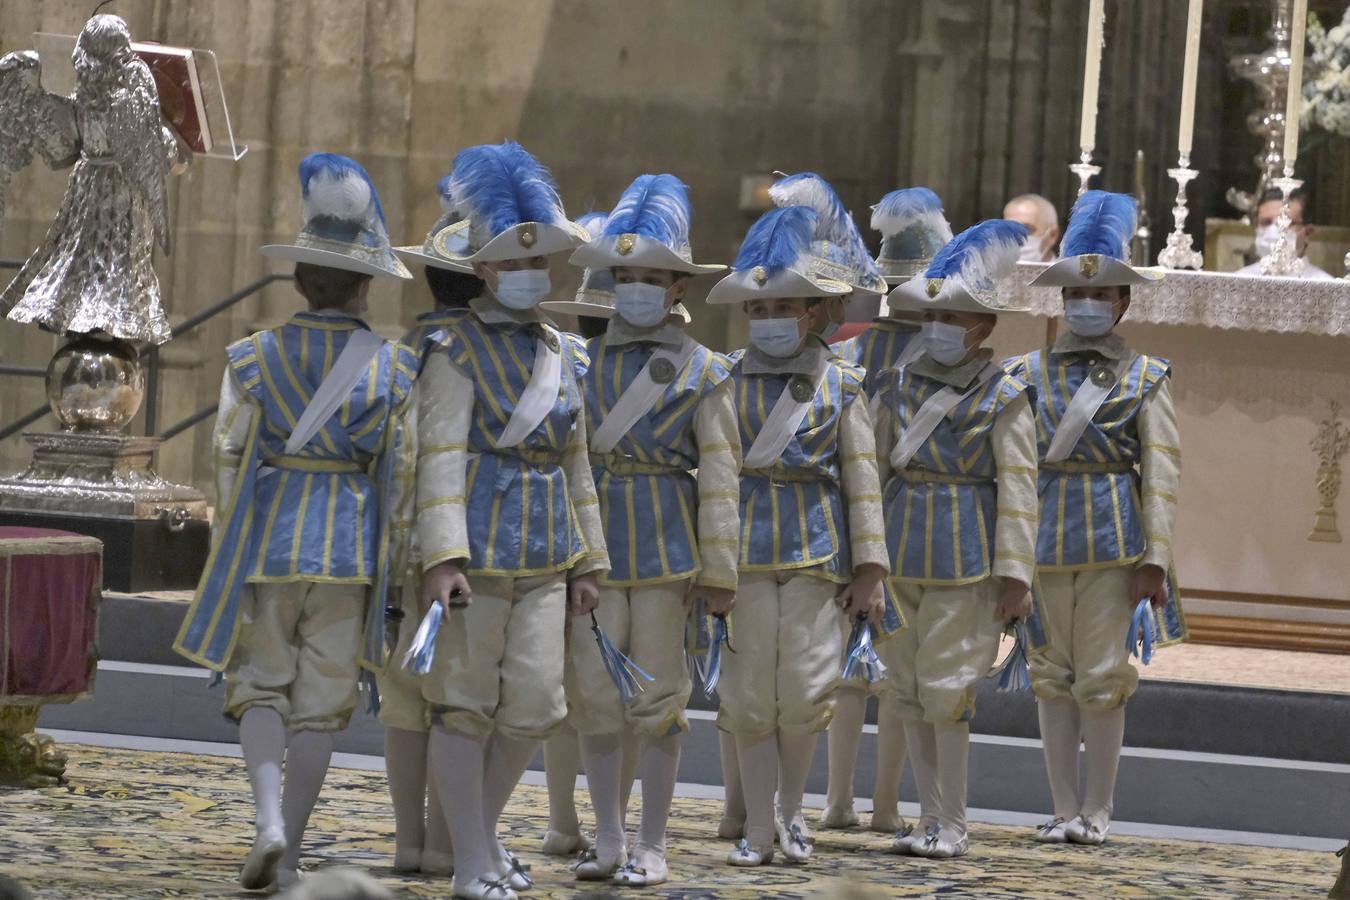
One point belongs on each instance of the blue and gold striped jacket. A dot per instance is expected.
(793, 516)
(519, 509)
(323, 514)
(942, 510)
(1090, 504)
(877, 349)
(648, 496)
(431, 328)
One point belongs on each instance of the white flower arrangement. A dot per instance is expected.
(1326, 94)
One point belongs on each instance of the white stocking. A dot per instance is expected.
(405, 762)
(659, 769)
(953, 760)
(734, 796)
(506, 761)
(562, 759)
(850, 709)
(758, 759)
(794, 759)
(603, 757)
(1060, 738)
(1103, 733)
(458, 763)
(923, 755)
(307, 757)
(891, 750)
(262, 737)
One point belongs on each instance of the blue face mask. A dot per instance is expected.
(944, 342)
(1089, 318)
(776, 337)
(641, 305)
(522, 288)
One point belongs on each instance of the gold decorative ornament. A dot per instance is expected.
(1089, 264)
(625, 244)
(1331, 442)
(551, 341)
(802, 389)
(663, 370)
(934, 287)
(526, 235)
(759, 275)
(28, 759)
(1101, 376)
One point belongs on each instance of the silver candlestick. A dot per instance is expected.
(1178, 253)
(1084, 169)
(1284, 259)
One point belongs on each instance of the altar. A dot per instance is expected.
(1259, 366)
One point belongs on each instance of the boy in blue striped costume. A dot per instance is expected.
(1110, 468)
(421, 835)
(957, 451)
(810, 527)
(913, 228)
(508, 524)
(644, 389)
(313, 464)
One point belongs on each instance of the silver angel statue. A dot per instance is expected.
(93, 273)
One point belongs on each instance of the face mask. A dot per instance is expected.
(1031, 251)
(522, 288)
(775, 337)
(642, 305)
(1266, 238)
(944, 342)
(1089, 318)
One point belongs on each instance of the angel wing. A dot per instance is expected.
(32, 120)
(143, 147)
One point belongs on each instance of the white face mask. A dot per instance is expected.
(522, 288)
(944, 342)
(1089, 318)
(1032, 250)
(1266, 238)
(775, 337)
(641, 305)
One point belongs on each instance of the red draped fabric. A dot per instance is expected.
(49, 594)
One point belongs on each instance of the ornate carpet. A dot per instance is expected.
(138, 824)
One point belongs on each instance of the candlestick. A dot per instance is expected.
(1284, 259)
(1189, 71)
(1293, 102)
(1092, 69)
(1084, 169)
(1178, 253)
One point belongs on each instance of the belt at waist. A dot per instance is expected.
(310, 464)
(622, 465)
(779, 473)
(1076, 467)
(928, 476)
(524, 454)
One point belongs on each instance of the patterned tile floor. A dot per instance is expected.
(137, 824)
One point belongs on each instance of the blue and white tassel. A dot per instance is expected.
(423, 650)
(1014, 674)
(860, 655)
(709, 665)
(1143, 636)
(622, 670)
(372, 690)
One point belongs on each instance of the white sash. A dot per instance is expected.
(911, 352)
(537, 398)
(783, 420)
(336, 387)
(638, 398)
(933, 411)
(1086, 401)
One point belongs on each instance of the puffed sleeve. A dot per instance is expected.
(445, 402)
(1014, 449)
(1160, 473)
(862, 486)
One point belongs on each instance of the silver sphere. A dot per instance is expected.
(95, 385)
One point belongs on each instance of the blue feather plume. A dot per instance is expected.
(337, 186)
(907, 207)
(1101, 222)
(833, 223)
(777, 240)
(653, 206)
(593, 222)
(981, 253)
(501, 185)
(443, 192)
